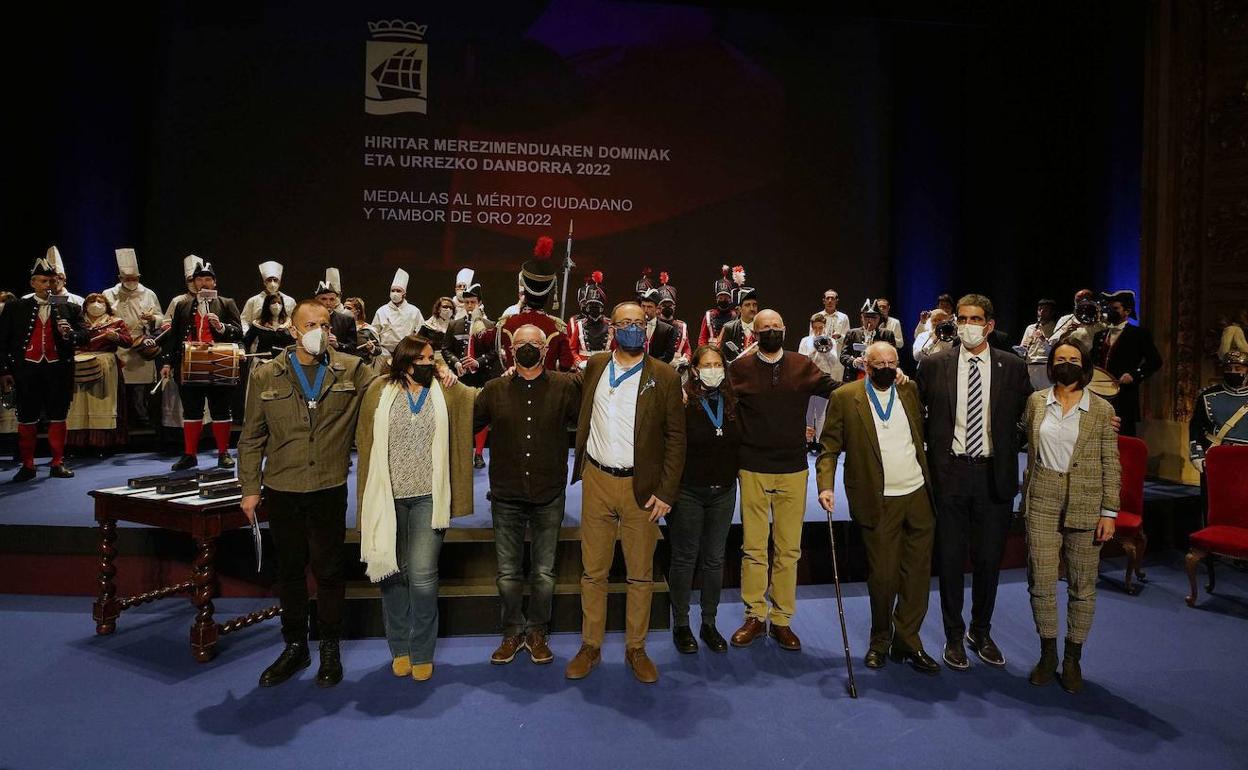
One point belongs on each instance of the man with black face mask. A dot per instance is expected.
(528, 416)
(1127, 352)
(660, 335)
(773, 389)
(667, 312)
(878, 426)
(590, 330)
(1220, 415)
(723, 312)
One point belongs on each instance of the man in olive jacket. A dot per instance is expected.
(878, 426)
(300, 421)
(630, 452)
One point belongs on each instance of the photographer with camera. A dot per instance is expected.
(820, 348)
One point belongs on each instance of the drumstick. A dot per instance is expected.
(159, 385)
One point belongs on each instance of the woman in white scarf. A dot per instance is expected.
(415, 454)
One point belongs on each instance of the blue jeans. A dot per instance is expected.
(510, 518)
(697, 529)
(409, 600)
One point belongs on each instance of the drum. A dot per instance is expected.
(215, 364)
(87, 369)
(1103, 383)
(145, 351)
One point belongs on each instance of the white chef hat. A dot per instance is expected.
(464, 276)
(189, 263)
(334, 279)
(270, 269)
(400, 279)
(127, 262)
(54, 258)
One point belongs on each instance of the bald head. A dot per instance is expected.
(628, 312)
(880, 355)
(528, 334)
(768, 319)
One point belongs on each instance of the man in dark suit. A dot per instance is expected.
(630, 452)
(38, 335)
(202, 321)
(345, 339)
(854, 346)
(878, 426)
(1127, 352)
(660, 334)
(736, 336)
(974, 396)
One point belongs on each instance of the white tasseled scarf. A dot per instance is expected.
(378, 527)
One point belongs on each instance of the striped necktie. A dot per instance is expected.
(974, 410)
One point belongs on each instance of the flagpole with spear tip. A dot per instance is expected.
(568, 264)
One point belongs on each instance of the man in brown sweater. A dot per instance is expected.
(773, 389)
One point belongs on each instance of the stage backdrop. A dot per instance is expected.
(880, 153)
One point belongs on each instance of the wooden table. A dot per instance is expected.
(205, 523)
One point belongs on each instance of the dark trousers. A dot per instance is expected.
(219, 399)
(44, 388)
(697, 529)
(543, 521)
(968, 512)
(899, 562)
(308, 530)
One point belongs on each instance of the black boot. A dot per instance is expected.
(293, 659)
(1042, 674)
(1072, 674)
(682, 637)
(714, 641)
(224, 460)
(186, 462)
(61, 472)
(25, 473)
(330, 671)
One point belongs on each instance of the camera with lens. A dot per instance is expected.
(947, 331)
(823, 343)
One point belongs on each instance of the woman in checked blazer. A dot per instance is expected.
(1070, 503)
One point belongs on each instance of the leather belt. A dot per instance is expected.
(620, 473)
(982, 459)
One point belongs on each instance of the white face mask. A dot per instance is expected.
(972, 336)
(396, 297)
(95, 309)
(711, 376)
(446, 313)
(272, 285)
(314, 341)
(131, 284)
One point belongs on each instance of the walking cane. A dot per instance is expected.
(840, 608)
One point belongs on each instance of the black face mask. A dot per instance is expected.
(423, 374)
(1067, 373)
(724, 304)
(771, 340)
(593, 313)
(528, 356)
(1234, 380)
(883, 378)
(668, 313)
(1113, 316)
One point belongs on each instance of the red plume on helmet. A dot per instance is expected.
(663, 277)
(738, 275)
(596, 276)
(724, 269)
(545, 245)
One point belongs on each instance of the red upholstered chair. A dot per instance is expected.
(1129, 528)
(1226, 475)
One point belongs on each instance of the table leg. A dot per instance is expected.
(204, 632)
(106, 608)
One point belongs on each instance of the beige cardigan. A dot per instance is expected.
(1095, 475)
(459, 402)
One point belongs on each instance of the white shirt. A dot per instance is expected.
(74, 298)
(926, 344)
(836, 323)
(255, 304)
(394, 323)
(611, 425)
(894, 326)
(651, 325)
(1059, 433)
(902, 472)
(985, 376)
(129, 307)
(1038, 351)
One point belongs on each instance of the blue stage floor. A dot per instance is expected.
(64, 502)
(1166, 689)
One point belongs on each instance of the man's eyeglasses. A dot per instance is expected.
(622, 325)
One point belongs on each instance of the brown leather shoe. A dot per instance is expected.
(748, 632)
(506, 651)
(539, 650)
(587, 658)
(642, 667)
(785, 637)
